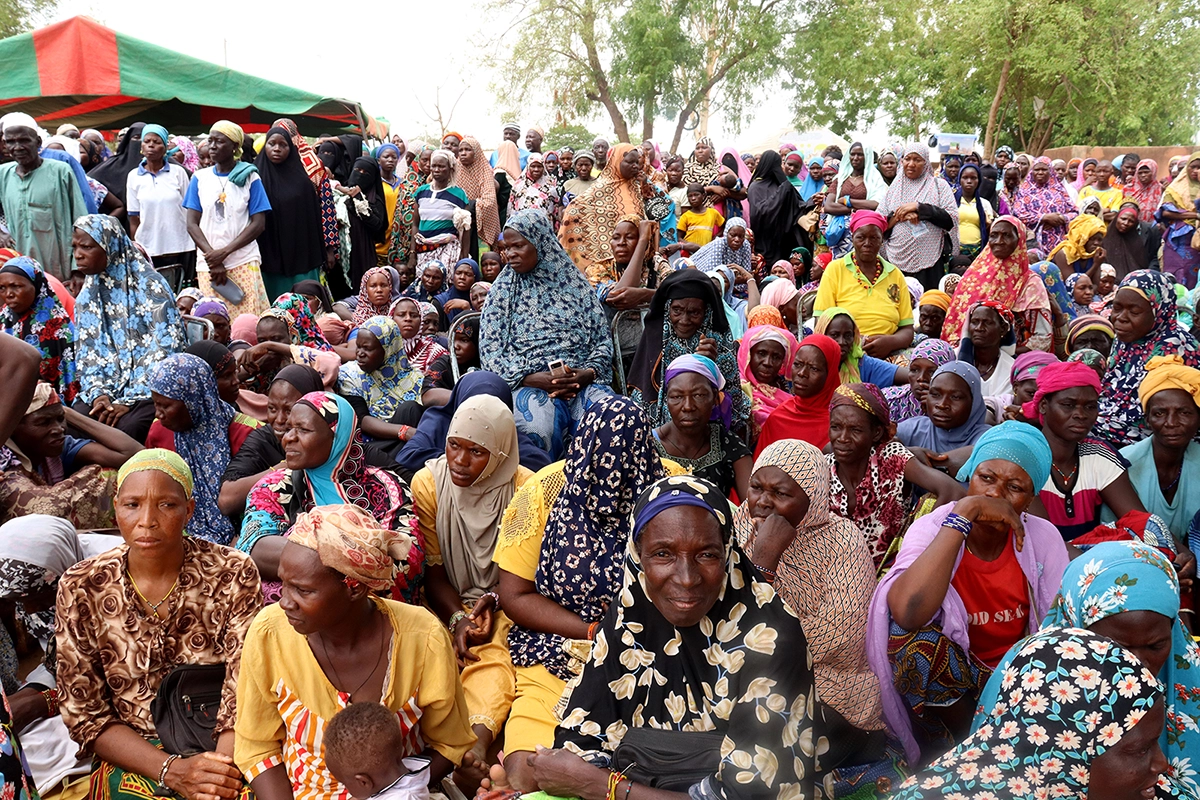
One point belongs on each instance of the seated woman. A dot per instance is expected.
(128, 617)
(634, 241)
(460, 499)
(765, 357)
(1082, 291)
(558, 553)
(457, 298)
(906, 402)
(1108, 709)
(805, 415)
(542, 330)
(431, 283)
(869, 289)
(439, 377)
(686, 317)
(821, 565)
(421, 347)
(695, 435)
(970, 580)
(955, 415)
(192, 420)
(1081, 250)
(855, 365)
(325, 465)
(1091, 332)
(34, 314)
(1129, 592)
(1086, 474)
(931, 314)
(329, 623)
(429, 440)
(784, 296)
(125, 323)
(381, 386)
(866, 456)
(380, 288)
(215, 311)
(987, 344)
(43, 470)
(278, 345)
(676, 518)
(1146, 322)
(224, 365)
(262, 451)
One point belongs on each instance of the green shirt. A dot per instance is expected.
(41, 209)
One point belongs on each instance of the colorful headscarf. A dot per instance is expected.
(45, 325)
(393, 383)
(936, 298)
(350, 541)
(764, 314)
(901, 401)
(158, 460)
(1168, 372)
(1093, 358)
(210, 305)
(1074, 246)
(694, 171)
(1080, 176)
(765, 398)
(869, 398)
(364, 310)
(864, 216)
(1027, 365)
(806, 418)
(1056, 288)
(989, 280)
(293, 309)
(1059, 377)
(589, 221)
(848, 367)
(706, 367)
(1147, 196)
(904, 247)
(479, 183)
(205, 446)
(1085, 323)
(1033, 202)
(191, 158)
(966, 347)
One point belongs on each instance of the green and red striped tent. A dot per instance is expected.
(81, 72)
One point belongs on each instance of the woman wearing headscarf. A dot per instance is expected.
(193, 421)
(1146, 322)
(582, 165)
(125, 323)
(114, 171)
(686, 316)
(597, 718)
(906, 402)
(855, 365)
(1145, 190)
(955, 401)
(701, 166)
(589, 221)
(33, 314)
(1178, 213)
(154, 194)
(420, 349)
(805, 415)
(987, 343)
(774, 209)
(344, 558)
(377, 290)
(320, 177)
(291, 244)
(366, 221)
(460, 498)
(731, 247)
(1080, 250)
(922, 213)
(325, 465)
(1117, 583)
(475, 177)
(975, 212)
(183, 150)
(444, 220)
(1044, 205)
(381, 384)
(1102, 695)
(970, 580)
(536, 190)
(128, 617)
(567, 325)
(1129, 245)
(400, 236)
(559, 555)
(858, 185)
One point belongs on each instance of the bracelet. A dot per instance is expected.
(495, 599)
(51, 698)
(958, 523)
(455, 618)
(628, 788)
(162, 775)
(769, 574)
(404, 429)
(592, 630)
(614, 780)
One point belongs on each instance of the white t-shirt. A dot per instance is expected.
(1000, 381)
(157, 200)
(221, 225)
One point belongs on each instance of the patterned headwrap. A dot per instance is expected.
(1085, 323)
(682, 490)
(1016, 442)
(764, 315)
(706, 367)
(1168, 372)
(164, 461)
(1027, 365)
(191, 158)
(293, 309)
(349, 540)
(1057, 377)
(210, 305)
(869, 398)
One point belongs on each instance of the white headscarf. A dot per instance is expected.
(876, 186)
(917, 246)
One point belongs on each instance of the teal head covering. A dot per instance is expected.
(339, 415)
(1018, 442)
(160, 132)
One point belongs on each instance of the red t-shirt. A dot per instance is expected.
(996, 595)
(239, 429)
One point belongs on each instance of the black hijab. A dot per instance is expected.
(303, 378)
(353, 145)
(291, 243)
(988, 175)
(311, 288)
(774, 209)
(215, 354)
(366, 230)
(958, 193)
(114, 172)
(333, 155)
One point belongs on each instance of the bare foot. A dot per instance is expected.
(495, 785)
(472, 774)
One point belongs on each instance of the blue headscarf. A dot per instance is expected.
(85, 188)
(1018, 442)
(159, 131)
(921, 432)
(718, 252)
(1110, 578)
(813, 183)
(321, 480)
(125, 318)
(393, 383)
(453, 292)
(983, 224)
(204, 446)
(1052, 279)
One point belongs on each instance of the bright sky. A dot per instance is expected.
(394, 76)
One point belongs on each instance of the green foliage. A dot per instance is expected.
(576, 137)
(18, 16)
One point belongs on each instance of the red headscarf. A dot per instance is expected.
(806, 418)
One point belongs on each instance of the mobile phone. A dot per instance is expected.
(558, 368)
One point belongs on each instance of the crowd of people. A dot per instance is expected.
(394, 470)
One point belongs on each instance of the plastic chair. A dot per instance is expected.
(173, 274)
(197, 329)
(454, 328)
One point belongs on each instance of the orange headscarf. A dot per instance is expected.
(588, 223)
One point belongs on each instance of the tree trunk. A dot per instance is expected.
(648, 116)
(603, 89)
(989, 139)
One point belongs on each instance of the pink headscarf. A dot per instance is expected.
(787, 265)
(1057, 377)
(244, 327)
(779, 293)
(865, 216)
(765, 399)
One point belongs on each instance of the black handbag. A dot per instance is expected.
(673, 761)
(186, 707)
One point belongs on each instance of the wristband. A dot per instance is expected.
(769, 574)
(495, 599)
(403, 430)
(162, 775)
(959, 523)
(455, 618)
(591, 634)
(51, 698)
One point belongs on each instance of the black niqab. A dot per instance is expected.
(774, 209)
(114, 172)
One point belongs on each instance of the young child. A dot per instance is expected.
(363, 746)
(699, 223)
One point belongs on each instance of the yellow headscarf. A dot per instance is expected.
(848, 370)
(1168, 372)
(935, 297)
(163, 461)
(231, 131)
(349, 540)
(1082, 228)
(1183, 191)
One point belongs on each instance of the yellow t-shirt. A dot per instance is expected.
(700, 228)
(878, 309)
(1110, 199)
(390, 198)
(424, 492)
(968, 222)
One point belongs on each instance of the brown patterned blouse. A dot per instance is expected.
(113, 653)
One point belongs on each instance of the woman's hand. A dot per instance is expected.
(740, 276)
(626, 297)
(106, 411)
(457, 305)
(880, 346)
(994, 513)
(542, 381)
(564, 774)
(772, 537)
(1053, 220)
(905, 211)
(707, 347)
(648, 230)
(1185, 565)
(207, 776)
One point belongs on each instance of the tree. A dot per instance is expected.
(575, 137)
(18, 16)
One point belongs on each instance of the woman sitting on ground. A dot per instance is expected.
(325, 465)
(696, 435)
(865, 456)
(457, 298)
(460, 498)
(1091, 332)
(906, 402)
(282, 342)
(128, 617)
(381, 386)
(805, 415)
(439, 377)
(421, 348)
(677, 519)
(214, 310)
(855, 365)
(954, 418)
(765, 357)
(332, 641)
(970, 580)
(34, 314)
(987, 344)
(43, 470)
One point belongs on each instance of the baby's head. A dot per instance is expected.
(364, 748)
(728, 180)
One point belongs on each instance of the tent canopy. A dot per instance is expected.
(81, 72)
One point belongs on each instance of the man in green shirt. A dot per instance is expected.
(41, 202)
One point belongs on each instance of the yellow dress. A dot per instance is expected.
(391, 197)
